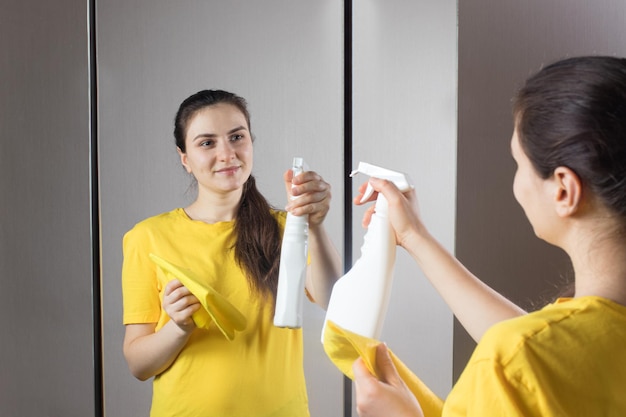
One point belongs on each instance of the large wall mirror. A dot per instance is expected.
(287, 60)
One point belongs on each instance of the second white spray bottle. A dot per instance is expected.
(292, 268)
(360, 298)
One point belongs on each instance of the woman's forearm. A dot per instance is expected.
(475, 304)
(325, 267)
(149, 353)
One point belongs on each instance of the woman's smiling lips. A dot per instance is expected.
(228, 170)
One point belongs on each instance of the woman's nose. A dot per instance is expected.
(225, 150)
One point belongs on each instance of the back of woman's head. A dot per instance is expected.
(573, 113)
(196, 102)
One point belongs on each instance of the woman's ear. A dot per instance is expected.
(569, 189)
(183, 159)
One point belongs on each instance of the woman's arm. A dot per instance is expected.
(476, 305)
(148, 353)
(325, 267)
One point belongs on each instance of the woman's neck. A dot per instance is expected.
(214, 208)
(600, 268)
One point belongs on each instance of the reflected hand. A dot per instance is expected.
(180, 304)
(388, 396)
(313, 196)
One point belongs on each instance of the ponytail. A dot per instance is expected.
(258, 240)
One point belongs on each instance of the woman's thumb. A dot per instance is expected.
(386, 369)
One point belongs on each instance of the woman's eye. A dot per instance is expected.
(236, 137)
(206, 143)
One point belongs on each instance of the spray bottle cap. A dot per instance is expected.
(399, 179)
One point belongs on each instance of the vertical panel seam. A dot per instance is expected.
(347, 162)
(94, 195)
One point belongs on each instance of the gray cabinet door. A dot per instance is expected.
(46, 332)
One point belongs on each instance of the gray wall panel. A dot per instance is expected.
(500, 44)
(45, 274)
(286, 59)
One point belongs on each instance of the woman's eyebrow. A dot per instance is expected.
(213, 135)
(205, 136)
(237, 129)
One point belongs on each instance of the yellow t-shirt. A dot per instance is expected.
(568, 359)
(258, 374)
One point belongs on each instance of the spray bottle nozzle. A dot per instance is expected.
(298, 165)
(399, 179)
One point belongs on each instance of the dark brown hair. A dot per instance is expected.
(572, 113)
(257, 233)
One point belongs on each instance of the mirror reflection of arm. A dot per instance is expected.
(325, 267)
(148, 353)
(475, 304)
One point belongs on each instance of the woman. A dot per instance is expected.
(231, 237)
(567, 359)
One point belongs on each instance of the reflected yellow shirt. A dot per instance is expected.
(568, 359)
(258, 374)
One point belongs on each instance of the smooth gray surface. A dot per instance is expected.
(286, 59)
(500, 44)
(46, 366)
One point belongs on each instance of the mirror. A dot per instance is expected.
(286, 59)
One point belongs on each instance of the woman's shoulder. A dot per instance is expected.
(560, 322)
(157, 222)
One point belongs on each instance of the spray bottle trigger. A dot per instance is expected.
(368, 191)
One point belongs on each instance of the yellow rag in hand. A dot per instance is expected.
(343, 347)
(216, 308)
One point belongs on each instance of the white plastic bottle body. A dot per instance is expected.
(292, 267)
(292, 273)
(360, 298)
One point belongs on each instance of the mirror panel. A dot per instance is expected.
(286, 59)
(405, 60)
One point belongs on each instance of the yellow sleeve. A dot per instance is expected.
(484, 390)
(140, 286)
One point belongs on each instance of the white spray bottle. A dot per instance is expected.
(292, 267)
(360, 298)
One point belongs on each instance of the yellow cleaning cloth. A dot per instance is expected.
(216, 308)
(343, 347)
